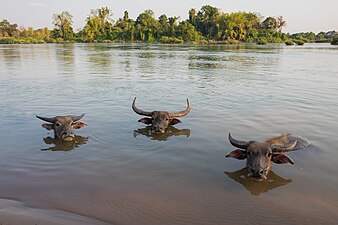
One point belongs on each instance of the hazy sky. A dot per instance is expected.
(300, 15)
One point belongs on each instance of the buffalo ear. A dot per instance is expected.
(47, 126)
(281, 159)
(145, 120)
(79, 124)
(237, 154)
(174, 121)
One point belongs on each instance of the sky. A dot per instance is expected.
(300, 15)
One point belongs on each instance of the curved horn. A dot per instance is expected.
(76, 118)
(182, 113)
(140, 111)
(49, 120)
(283, 148)
(237, 143)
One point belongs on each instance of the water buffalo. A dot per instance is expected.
(160, 120)
(259, 155)
(63, 126)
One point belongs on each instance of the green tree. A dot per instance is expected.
(99, 25)
(205, 21)
(187, 32)
(7, 29)
(63, 25)
(147, 27)
(124, 28)
(236, 26)
(192, 16)
(164, 25)
(270, 23)
(42, 33)
(172, 21)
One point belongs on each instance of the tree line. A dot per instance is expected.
(208, 25)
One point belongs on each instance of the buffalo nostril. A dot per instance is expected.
(66, 133)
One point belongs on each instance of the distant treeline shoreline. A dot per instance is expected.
(208, 25)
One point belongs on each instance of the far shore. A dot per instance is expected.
(11, 40)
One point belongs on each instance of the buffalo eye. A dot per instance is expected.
(57, 124)
(249, 153)
(269, 154)
(166, 118)
(72, 123)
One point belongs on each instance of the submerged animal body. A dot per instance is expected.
(160, 120)
(63, 126)
(260, 155)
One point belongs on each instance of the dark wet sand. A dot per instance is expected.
(147, 208)
(13, 212)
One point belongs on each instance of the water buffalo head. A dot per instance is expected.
(160, 120)
(63, 126)
(259, 155)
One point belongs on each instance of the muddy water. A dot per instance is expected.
(116, 173)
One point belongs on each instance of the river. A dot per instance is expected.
(117, 174)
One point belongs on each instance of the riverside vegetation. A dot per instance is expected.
(208, 25)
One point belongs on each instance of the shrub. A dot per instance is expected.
(334, 41)
(29, 40)
(298, 42)
(289, 42)
(262, 41)
(170, 40)
(202, 41)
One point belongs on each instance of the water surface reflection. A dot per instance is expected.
(257, 187)
(66, 58)
(169, 132)
(60, 145)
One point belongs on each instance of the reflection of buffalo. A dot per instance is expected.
(254, 187)
(170, 131)
(60, 145)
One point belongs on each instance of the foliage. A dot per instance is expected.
(335, 41)
(187, 32)
(207, 25)
(19, 40)
(299, 42)
(170, 40)
(321, 37)
(262, 41)
(289, 42)
(99, 25)
(63, 25)
(8, 30)
(124, 28)
(147, 27)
